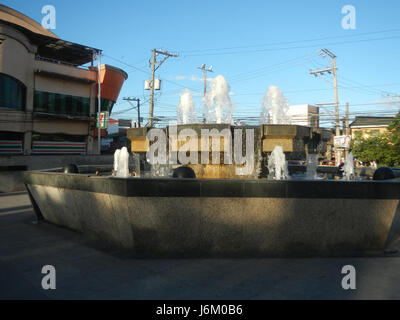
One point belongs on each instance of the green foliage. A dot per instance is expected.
(383, 148)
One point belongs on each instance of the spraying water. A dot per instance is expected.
(136, 161)
(348, 168)
(217, 103)
(186, 112)
(161, 170)
(121, 163)
(275, 107)
(277, 165)
(312, 164)
(116, 160)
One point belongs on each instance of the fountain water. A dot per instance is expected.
(186, 112)
(161, 170)
(277, 165)
(312, 164)
(217, 103)
(348, 168)
(116, 160)
(121, 163)
(275, 107)
(136, 161)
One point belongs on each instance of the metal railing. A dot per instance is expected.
(37, 57)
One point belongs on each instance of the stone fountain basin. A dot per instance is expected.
(211, 217)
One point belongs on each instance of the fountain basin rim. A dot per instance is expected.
(242, 188)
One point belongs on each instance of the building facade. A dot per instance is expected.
(304, 115)
(49, 90)
(369, 126)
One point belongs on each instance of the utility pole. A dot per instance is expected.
(129, 99)
(337, 129)
(332, 69)
(210, 69)
(166, 55)
(347, 120)
(98, 99)
(346, 129)
(151, 107)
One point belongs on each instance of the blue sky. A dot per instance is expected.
(262, 35)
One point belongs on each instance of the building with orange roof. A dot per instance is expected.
(49, 90)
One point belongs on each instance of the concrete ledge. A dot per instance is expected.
(164, 187)
(199, 217)
(214, 226)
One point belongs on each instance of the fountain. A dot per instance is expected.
(217, 102)
(121, 163)
(221, 209)
(312, 165)
(277, 165)
(186, 112)
(348, 168)
(275, 107)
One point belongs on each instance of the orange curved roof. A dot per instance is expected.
(111, 79)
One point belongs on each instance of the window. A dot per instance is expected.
(106, 105)
(12, 93)
(57, 137)
(57, 103)
(374, 133)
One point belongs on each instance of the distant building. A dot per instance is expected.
(369, 126)
(116, 135)
(48, 90)
(304, 115)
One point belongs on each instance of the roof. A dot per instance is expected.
(49, 45)
(371, 121)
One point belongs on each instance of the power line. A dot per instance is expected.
(295, 47)
(130, 99)
(290, 42)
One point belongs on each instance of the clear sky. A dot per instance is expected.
(248, 42)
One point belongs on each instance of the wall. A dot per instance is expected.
(172, 217)
(366, 132)
(11, 181)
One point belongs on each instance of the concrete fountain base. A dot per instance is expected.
(201, 217)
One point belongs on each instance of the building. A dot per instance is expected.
(48, 91)
(304, 115)
(369, 126)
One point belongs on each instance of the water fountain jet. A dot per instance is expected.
(277, 165)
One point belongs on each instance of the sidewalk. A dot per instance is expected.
(86, 269)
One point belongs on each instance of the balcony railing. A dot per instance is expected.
(59, 62)
(55, 68)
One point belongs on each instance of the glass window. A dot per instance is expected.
(56, 103)
(57, 137)
(106, 105)
(12, 93)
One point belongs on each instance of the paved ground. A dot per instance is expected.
(87, 270)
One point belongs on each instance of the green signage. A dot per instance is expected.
(103, 120)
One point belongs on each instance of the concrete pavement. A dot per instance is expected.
(89, 269)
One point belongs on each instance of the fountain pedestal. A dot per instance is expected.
(295, 141)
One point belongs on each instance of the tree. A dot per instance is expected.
(383, 148)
